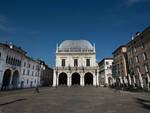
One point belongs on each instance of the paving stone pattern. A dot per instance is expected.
(74, 100)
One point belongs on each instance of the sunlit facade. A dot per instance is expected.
(75, 64)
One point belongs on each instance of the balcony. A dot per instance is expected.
(76, 68)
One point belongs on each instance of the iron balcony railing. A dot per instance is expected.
(76, 68)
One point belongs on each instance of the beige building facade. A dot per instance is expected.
(120, 69)
(138, 52)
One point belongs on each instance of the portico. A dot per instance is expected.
(71, 79)
(76, 64)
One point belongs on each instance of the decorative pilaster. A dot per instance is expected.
(11, 78)
(82, 81)
(141, 80)
(1, 79)
(57, 80)
(68, 81)
(54, 78)
(129, 79)
(94, 80)
(97, 78)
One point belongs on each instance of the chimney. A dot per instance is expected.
(132, 37)
(137, 33)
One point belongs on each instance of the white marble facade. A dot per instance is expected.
(105, 72)
(15, 71)
(75, 64)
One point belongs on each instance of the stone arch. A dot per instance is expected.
(63, 78)
(75, 78)
(6, 79)
(15, 79)
(88, 78)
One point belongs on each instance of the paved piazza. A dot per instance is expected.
(74, 100)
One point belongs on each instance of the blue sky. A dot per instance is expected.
(37, 25)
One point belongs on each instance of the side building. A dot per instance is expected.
(105, 73)
(120, 66)
(138, 51)
(30, 72)
(46, 78)
(16, 69)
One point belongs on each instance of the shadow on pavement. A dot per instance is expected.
(145, 103)
(11, 102)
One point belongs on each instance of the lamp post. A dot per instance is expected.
(56, 75)
(42, 68)
(11, 45)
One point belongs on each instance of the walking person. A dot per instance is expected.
(37, 89)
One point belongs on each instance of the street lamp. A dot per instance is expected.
(56, 75)
(11, 45)
(43, 68)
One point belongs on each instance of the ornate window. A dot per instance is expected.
(63, 62)
(75, 62)
(7, 59)
(107, 63)
(28, 72)
(32, 73)
(28, 65)
(24, 64)
(142, 45)
(23, 71)
(87, 62)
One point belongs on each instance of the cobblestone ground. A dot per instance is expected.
(74, 100)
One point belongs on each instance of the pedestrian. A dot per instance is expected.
(36, 89)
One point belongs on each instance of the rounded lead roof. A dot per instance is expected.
(76, 44)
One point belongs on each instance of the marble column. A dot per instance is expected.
(129, 79)
(141, 80)
(1, 79)
(11, 78)
(68, 81)
(57, 80)
(94, 80)
(82, 80)
(97, 79)
(54, 78)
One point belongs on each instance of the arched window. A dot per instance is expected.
(11, 61)
(7, 59)
(19, 63)
(15, 62)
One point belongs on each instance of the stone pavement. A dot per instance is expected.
(74, 100)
